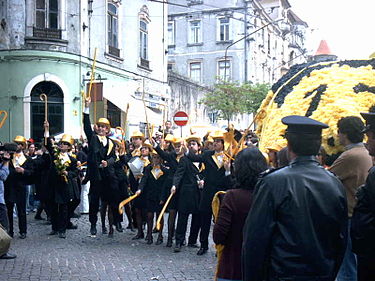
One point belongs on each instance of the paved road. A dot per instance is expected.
(81, 257)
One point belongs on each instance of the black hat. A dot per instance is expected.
(303, 125)
(370, 121)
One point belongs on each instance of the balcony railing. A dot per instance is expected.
(114, 51)
(145, 63)
(47, 33)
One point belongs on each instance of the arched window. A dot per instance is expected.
(55, 109)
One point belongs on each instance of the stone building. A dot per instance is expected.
(48, 46)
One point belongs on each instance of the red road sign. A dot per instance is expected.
(180, 118)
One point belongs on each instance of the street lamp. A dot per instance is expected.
(247, 35)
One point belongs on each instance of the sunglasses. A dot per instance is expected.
(65, 143)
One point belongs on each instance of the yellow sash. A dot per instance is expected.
(157, 172)
(145, 161)
(18, 160)
(136, 152)
(110, 146)
(218, 158)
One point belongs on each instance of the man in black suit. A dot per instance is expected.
(100, 163)
(20, 171)
(186, 181)
(216, 179)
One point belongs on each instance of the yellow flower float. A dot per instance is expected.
(325, 91)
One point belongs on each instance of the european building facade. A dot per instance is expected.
(48, 46)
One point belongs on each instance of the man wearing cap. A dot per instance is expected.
(351, 167)
(62, 181)
(215, 180)
(363, 219)
(100, 160)
(186, 182)
(297, 226)
(20, 172)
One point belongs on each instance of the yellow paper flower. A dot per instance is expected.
(325, 92)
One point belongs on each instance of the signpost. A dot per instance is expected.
(181, 119)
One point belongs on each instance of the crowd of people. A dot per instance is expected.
(285, 215)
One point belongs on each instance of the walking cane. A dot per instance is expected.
(5, 116)
(126, 201)
(158, 225)
(43, 97)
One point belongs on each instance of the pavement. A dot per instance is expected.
(82, 257)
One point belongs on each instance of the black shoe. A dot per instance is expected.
(76, 216)
(149, 240)
(159, 240)
(119, 227)
(169, 243)
(93, 230)
(155, 230)
(7, 256)
(177, 248)
(202, 251)
(104, 230)
(39, 218)
(22, 235)
(53, 232)
(138, 236)
(110, 234)
(62, 235)
(190, 245)
(71, 226)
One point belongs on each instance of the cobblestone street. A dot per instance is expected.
(81, 257)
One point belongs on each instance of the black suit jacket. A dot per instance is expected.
(14, 186)
(214, 181)
(186, 181)
(97, 153)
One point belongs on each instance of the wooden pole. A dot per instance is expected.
(44, 98)
(158, 225)
(92, 78)
(144, 105)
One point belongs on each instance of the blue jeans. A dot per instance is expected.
(348, 269)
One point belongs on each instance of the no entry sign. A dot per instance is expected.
(180, 118)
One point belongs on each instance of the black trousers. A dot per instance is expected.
(4, 217)
(59, 217)
(21, 213)
(366, 268)
(206, 218)
(94, 200)
(182, 222)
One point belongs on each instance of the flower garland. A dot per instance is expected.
(325, 92)
(61, 164)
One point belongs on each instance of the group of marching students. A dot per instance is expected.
(290, 223)
(152, 169)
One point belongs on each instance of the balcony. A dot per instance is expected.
(114, 51)
(145, 63)
(47, 33)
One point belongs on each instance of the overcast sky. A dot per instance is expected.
(347, 25)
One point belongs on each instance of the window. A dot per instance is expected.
(46, 14)
(224, 70)
(194, 2)
(269, 44)
(223, 29)
(55, 109)
(143, 41)
(112, 17)
(195, 71)
(171, 34)
(195, 32)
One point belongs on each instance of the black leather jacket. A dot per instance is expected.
(297, 226)
(363, 220)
